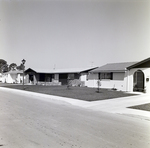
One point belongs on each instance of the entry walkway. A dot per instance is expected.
(120, 105)
(116, 105)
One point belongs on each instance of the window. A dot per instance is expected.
(74, 76)
(105, 75)
(42, 77)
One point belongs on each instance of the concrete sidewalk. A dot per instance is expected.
(116, 105)
(120, 106)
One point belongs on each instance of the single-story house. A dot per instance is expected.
(57, 76)
(128, 76)
(12, 76)
(0, 77)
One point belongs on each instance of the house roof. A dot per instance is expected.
(141, 63)
(54, 71)
(14, 72)
(113, 67)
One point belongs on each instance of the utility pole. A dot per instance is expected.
(23, 62)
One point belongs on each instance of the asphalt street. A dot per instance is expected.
(28, 121)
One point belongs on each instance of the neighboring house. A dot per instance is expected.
(0, 77)
(13, 76)
(129, 76)
(57, 76)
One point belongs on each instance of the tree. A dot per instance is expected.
(12, 66)
(98, 85)
(68, 82)
(21, 67)
(3, 66)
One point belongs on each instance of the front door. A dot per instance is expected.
(138, 81)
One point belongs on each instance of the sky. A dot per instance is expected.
(74, 33)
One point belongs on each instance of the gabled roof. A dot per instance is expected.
(113, 67)
(58, 71)
(141, 64)
(29, 69)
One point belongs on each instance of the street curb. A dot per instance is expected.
(47, 97)
(110, 106)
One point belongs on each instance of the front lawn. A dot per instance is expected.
(145, 107)
(81, 93)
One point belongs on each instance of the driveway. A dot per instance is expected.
(120, 106)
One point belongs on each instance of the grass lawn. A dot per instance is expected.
(81, 93)
(145, 107)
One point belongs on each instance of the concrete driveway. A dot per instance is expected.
(116, 105)
(120, 106)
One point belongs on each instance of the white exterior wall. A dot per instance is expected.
(92, 76)
(4, 77)
(12, 78)
(56, 78)
(83, 77)
(91, 83)
(109, 84)
(146, 72)
(9, 79)
(91, 80)
(118, 84)
(20, 78)
(118, 81)
(0, 77)
(147, 83)
(118, 76)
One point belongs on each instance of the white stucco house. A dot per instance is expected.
(128, 76)
(13, 76)
(0, 77)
